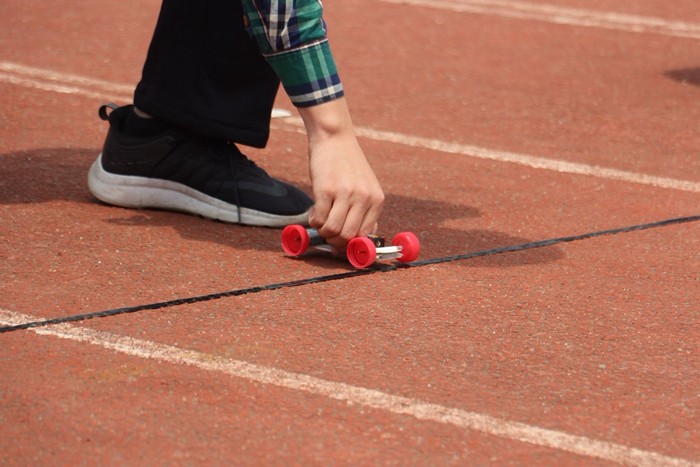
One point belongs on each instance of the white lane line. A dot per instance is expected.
(564, 15)
(48, 80)
(65, 78)
(554, 165)
(63, 83)
(67, 83)
(353, 395)
(50, 86)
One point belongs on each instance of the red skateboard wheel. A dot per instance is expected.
(410, 246)
(361, 252)
(295, 240)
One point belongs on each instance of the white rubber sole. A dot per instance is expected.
(141, 192)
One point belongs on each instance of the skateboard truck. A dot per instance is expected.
(362, 252)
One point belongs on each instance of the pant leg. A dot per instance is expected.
(204, 73)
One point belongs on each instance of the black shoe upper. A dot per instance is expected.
(216, 168)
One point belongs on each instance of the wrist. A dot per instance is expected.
(327, 120)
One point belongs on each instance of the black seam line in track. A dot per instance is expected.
(334, 277)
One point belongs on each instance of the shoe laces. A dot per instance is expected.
(236, 159)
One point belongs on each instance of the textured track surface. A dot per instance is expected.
(494, 126)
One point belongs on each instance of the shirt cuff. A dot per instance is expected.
(308, 73)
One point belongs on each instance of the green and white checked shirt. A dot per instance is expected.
(292, 37)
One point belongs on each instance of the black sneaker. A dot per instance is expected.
(179, 171)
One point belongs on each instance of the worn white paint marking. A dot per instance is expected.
(48, 80)
(352, 395)
(555, 165)
(50, 86)
(65, 78)
(63, 83)
(67, 83)
(564, 15)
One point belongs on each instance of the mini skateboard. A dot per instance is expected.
(362, 252)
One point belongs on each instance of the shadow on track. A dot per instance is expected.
(53, 174)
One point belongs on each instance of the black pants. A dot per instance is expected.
(205, 73)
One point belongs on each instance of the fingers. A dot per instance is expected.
(348, 195)
(318, 214)
(344, 218)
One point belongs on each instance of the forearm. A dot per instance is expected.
(292, 37)
(347, 194)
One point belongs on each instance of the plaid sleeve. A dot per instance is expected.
(292, 37)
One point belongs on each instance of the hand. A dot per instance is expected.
(348, 196)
